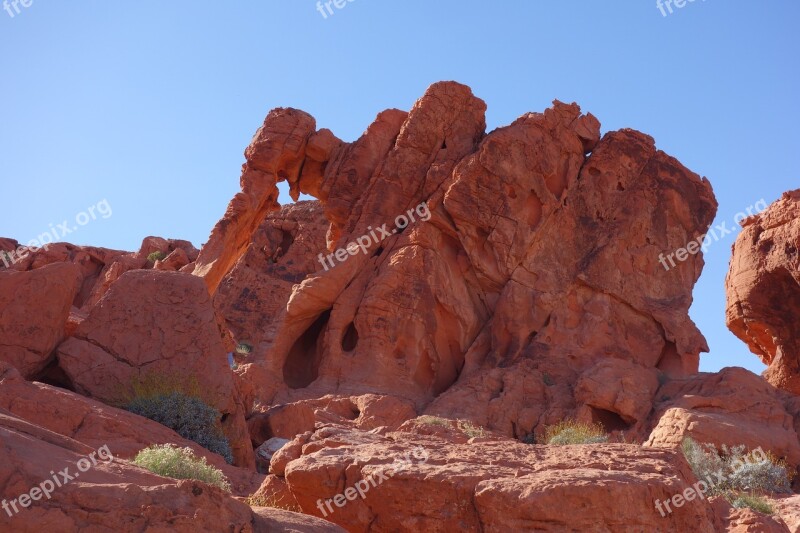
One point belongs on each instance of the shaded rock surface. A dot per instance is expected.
(763, 289)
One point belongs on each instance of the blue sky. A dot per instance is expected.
(149, 105)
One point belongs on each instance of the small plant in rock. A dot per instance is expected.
(156, 256)
(471, 430)
(244, 349)
(435, 421)
(262, 500)
(570, 432)
(180, 463)
(754, 502)
(189, 417)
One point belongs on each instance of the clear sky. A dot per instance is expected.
(149, 105)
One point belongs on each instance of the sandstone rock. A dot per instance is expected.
(763, 290)
(526, 251)
(95, 425)
(158, 325)
(276, 154)
(522, 488)
(266, 451)
(34, 307)
(114, 496)
(731, 407)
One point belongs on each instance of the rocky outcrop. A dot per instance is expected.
(34, 307)
(156, 325)
(731, 407)
(99, 493)
(531, 256)
(763, 290)
(522, 488)
(95, 425)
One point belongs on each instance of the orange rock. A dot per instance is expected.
(94, 424)
(707, 407)
(153, 323)
(115, 495)
(276, 154)
(491, 486)
(34, 307)
(763, 290)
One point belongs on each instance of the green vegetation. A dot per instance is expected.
(180, 463)
(754, 502)
(189, 416)
(156, 256)
(435, 421)
(745, 476)
(471, 430)
(570, 432)
(465, 426)
(244, 349)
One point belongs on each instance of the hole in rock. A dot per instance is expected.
(444, 145)
(53, 375)
(670, 361)
(610, 420)
(286, 242)
(378, 252)
(350, 338)
(302, 364)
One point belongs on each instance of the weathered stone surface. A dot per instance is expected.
(731, 407)
(522, 488)
(155, 324)
(763, 290)
(114, 495)
(95, 424)
(34, 307)
(276, 154)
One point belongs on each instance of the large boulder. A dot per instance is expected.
(155, 325)
(34, 308)
(763, 289)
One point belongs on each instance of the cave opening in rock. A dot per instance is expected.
(350, 338)
(610, 420)
(301, 368)
(54, 375)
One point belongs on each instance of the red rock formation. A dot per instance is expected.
(114, 496)
(763, 289)
(525, 251)
(156, 324)
(28, 337)
(490, 486)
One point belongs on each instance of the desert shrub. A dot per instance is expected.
(243, 348)
(471, 430)
(262, 500)
(754, 502)
(180, 463)
(188, 416)
(573, 432)
(741, 471)
(156, 256)
(434, 421)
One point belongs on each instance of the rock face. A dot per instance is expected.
(731, 407)
(28, 338)
(763, 290)
(161, 325)
(112, 495)
(532, 245)
(525, 488)
(95, 425)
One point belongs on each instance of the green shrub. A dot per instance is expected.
(751, 501)
(573, 432)
(435, 421)
(243, 348)
(741, 471)
(180, 463)
(189, 417)
(156, 256)
(471, 430)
